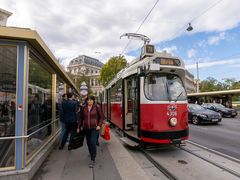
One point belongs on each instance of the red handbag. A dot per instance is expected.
(106, 135)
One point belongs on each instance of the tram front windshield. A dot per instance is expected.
(164, 87)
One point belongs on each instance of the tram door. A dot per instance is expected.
(131, 107)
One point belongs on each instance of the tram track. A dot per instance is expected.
(160, 167)
(191, 162)
(169, 172)
(215, 152)
(211, 161)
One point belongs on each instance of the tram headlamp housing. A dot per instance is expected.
(173, 121)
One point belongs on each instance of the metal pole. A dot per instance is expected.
(197, 78)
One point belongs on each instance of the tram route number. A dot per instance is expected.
(172, 113)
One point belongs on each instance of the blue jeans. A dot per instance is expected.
(70, 128)
(91, 137)
(63, 129)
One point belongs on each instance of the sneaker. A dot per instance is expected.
(60, 147)
(91, 164)
(69, 148)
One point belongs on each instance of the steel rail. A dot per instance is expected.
(167, 173)
(214, 151)
(211, 162)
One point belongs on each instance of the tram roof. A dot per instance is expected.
(233, 91)
(33, 38)
(133, 65)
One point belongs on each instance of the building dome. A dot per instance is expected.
(83, 59)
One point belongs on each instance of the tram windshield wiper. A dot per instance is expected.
(178, 96)
(168, 95)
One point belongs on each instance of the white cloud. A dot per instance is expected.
(171, 49)
(129, 58)
(214, 40)
(191, 53)
(208, 64)
(201, 43)
(84, 27)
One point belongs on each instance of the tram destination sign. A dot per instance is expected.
(167, 61)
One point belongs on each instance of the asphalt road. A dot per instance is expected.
(223, 137)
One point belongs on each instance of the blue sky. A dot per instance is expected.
(93, 28)
(222, 48)
(217, 53)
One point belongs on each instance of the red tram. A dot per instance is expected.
(147, 100)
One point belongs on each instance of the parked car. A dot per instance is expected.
(198, 114)
(225, 112)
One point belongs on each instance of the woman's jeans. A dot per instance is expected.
(91, 136)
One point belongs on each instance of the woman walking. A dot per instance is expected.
(91, 120)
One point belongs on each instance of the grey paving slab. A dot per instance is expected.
(66, 165)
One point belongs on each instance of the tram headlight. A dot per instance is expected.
(173, 121)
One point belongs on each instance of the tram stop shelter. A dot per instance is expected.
(31, 86)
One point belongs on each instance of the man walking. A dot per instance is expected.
(70, 109)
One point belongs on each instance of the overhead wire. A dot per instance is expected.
(124, 49)
(193, 19)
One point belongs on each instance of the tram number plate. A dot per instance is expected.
(214, 120)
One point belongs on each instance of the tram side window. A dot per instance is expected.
(116, 92)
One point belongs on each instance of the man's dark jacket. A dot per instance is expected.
(69, 108)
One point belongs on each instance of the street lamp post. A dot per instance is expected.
(197, 78)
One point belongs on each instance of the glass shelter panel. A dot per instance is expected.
(39, 105)
(59, 99)
(8, 66)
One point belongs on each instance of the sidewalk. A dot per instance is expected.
(113, 162)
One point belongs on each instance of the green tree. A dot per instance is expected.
(111, 68)
(210, 84)
(231, 83)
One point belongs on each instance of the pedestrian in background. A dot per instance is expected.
(98, 104)
(91, 121)
(62, 123)
(70, 109)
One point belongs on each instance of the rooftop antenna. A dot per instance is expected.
(142, 37)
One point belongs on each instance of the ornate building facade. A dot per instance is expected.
(190, 83)
(89, 67)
